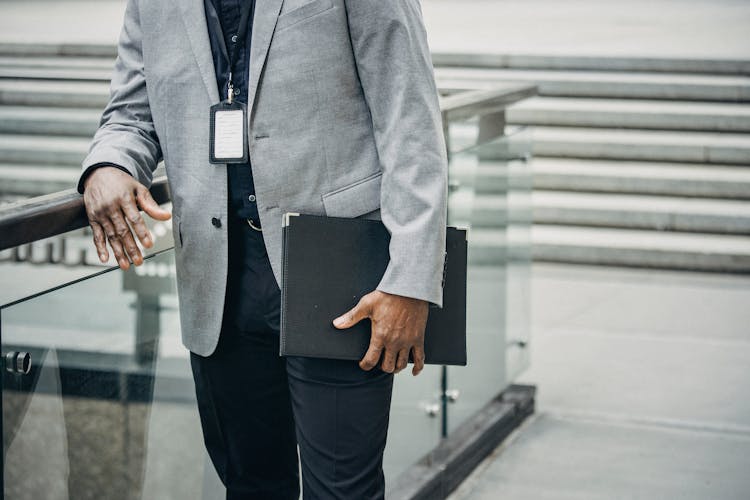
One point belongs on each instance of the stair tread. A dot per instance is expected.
(639, 136)
(57, 73)
(639, 239)
(632, 203)
(581, 59)
(48, 112)
(493, 75)
(53, 86)
(633, 106)
(42, 172)
(642, 169)
(44, 142)
(67, 62)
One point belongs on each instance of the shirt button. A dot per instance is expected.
(234, 38)
(251, 197)
(237, 91)
(216, 221)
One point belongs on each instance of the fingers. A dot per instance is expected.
(100, 242)
(372, 356)
(149, 205)
(133, 216)
(114, 243)
(125, 236)
(389, 361)
(418, 354)
(355, 314)
(402, 360)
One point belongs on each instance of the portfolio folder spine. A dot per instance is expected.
(284, 272)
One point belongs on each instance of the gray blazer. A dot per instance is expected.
(344, 121)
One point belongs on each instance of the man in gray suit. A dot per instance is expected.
(342, 119)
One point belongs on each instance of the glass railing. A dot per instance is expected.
(97, 399)
(97, 395)
(490, 195)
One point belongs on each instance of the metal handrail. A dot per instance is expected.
(462, 105)
(50, 215)
(54, 214)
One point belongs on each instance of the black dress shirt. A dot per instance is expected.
(223, 18)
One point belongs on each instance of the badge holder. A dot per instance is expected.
(228, 127)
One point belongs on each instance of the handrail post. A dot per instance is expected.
(491, 127)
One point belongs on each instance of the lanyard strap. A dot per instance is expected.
(246, 8)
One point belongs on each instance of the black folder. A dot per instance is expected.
(329, 263)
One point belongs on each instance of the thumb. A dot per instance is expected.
(353, 316)
(149, 205)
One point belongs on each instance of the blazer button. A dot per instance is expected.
(216, 221)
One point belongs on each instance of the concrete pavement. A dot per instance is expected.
(643, 379)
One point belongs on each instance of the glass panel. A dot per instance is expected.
(489, 195)
(51, 262)
(415, 419)
(107, 409)
(518, 306)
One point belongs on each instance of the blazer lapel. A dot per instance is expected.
(194, 17)
(264, 22)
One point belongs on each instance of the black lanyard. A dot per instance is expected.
(247, 9)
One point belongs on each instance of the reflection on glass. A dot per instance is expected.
(107, 409)
(415, 419)
(61, 259)
(490, 194)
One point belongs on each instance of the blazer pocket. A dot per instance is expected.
(354, 199)
(302, 13)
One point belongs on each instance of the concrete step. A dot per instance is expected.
(603, 210)
(631, 247)
(56, 73)
(474, 60)
(640, 145)
(635, 114)
(642, 212)
(70, 63)
(36, 180)
(687, 180)
(593, 63)
(56, 94)
(49, 121)
(605, 84)
(43, 150)
(466, 208)
(75, 50)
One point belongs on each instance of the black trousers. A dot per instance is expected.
(257, 408)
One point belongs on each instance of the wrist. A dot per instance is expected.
(98, 170)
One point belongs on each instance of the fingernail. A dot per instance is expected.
(338, 321)
(101, 257)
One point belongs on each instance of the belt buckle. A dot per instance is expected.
(250, 223)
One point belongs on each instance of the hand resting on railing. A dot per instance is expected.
(112, 199)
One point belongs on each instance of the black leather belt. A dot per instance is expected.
(250, 223)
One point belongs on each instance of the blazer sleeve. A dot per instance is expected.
(395, 70)
(126, 136)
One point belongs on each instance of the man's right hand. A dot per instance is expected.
(113, 198)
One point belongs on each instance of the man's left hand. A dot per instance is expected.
(398, 325)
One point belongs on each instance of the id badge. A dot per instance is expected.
(228, 133)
